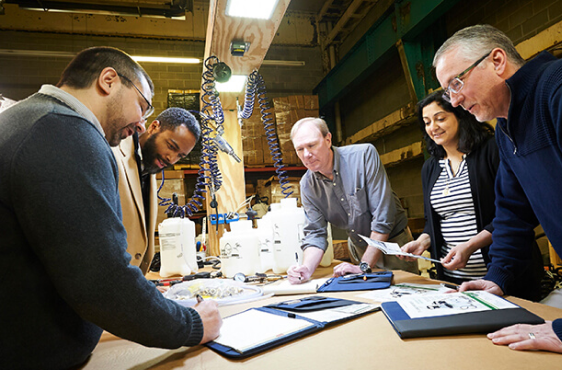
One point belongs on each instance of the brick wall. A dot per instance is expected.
(385, 91)
(519, 19)
(22, 76)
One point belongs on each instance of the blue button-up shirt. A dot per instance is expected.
(359, 199)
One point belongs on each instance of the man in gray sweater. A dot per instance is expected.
(63, 263)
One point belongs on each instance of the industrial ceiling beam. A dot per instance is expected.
(406, 22)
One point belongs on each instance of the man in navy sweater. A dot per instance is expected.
(480, 70)
(63, 263)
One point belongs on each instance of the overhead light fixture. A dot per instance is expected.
(139, 58)
(257, 9)
(66, 54)
(236, 83)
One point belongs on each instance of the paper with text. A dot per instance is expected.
(393, 249)
(286, 288)
(399, 291)
(443, 304)
(339, 313)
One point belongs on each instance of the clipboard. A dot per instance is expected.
(462, 323)
(258, 329)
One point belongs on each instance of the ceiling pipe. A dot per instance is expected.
(177, 8)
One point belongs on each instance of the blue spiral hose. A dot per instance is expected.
(209, 174)
(257, 84)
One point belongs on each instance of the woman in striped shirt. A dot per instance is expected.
(458, 188)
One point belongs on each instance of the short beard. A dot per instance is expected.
(149, 156)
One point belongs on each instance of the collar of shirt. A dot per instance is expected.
(74, 104)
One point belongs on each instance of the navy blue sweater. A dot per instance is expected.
(530, 174)
(63, 264)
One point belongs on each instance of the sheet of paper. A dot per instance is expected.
(399, 291)
(338, 313)
(253, 327)
(441, 304)
(286, 288)
(393, 249)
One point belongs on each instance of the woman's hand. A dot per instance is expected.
(457, 257)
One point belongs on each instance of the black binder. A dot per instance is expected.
(355, 282)
(290, 310)
(464, 323)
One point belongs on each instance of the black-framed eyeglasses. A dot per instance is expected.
(457, 83)
(150, 108)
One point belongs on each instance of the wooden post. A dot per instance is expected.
(221, 31)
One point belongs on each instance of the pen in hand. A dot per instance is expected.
(199, 298)
(450, 286)
(297, 259)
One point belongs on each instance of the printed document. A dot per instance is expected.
(339, 313)
(286, 288)
(393, 249)
(442, 304)
(399, 291)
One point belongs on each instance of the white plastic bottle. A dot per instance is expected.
(177, 247)
(265, 234)
(239, 249)
(288, 226)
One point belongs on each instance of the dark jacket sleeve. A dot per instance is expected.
(65, 185)
(483, 167)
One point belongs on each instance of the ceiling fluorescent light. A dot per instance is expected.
(138, 58)
(235, 84)
(65, 54)
(258, 9)
(286, 63)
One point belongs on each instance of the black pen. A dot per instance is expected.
(199, 298)
(450, 286)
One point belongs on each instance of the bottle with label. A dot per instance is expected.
(177, 247)
(239, 249)
(265, 234)
(288, 225)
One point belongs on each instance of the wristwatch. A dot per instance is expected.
(364, 266)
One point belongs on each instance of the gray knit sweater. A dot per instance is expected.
(64, 268)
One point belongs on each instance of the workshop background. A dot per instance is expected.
(361, 64)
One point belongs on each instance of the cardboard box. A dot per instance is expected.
(276, 191)
(267, 159)
(252, 143)
(253, 157)
(250, 190)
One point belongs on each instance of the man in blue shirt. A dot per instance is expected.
(480, 70)
(347, 187)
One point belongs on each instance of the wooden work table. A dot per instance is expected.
(366, 342)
